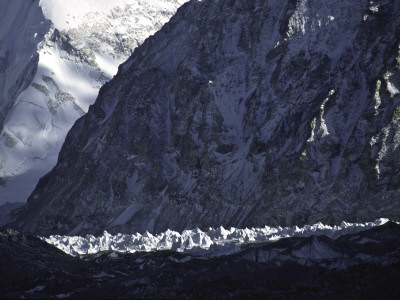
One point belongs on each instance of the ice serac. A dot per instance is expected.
(54, 57)
(238, 113)
(214, 242)
(365, 264)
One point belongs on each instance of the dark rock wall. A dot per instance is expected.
(238, 113)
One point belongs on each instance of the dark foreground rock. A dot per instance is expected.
(359, 266)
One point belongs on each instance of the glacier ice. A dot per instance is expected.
(213, 242)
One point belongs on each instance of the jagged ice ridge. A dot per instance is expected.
(214, 242)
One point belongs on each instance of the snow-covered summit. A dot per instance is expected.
(66, 15)
(54, 57)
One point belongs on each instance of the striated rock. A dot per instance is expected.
(238, 113)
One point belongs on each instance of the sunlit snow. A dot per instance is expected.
(214, 242)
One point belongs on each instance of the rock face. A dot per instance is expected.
(18, 57)
(238, 113)
(54, 57)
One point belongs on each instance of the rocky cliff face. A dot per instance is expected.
(18, 42)
(238, 113)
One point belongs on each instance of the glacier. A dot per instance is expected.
(361, 264)
(235, 114)
(209, 243)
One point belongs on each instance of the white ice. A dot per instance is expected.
(214, 242)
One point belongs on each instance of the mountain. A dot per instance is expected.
(356, 266)
(238, 113)
(54, 57)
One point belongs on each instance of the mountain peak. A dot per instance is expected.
(238, 113)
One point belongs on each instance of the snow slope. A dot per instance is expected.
(59, 53)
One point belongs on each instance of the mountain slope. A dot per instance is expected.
(54, 57)
(238, 113)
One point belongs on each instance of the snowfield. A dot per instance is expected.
(214, 242)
